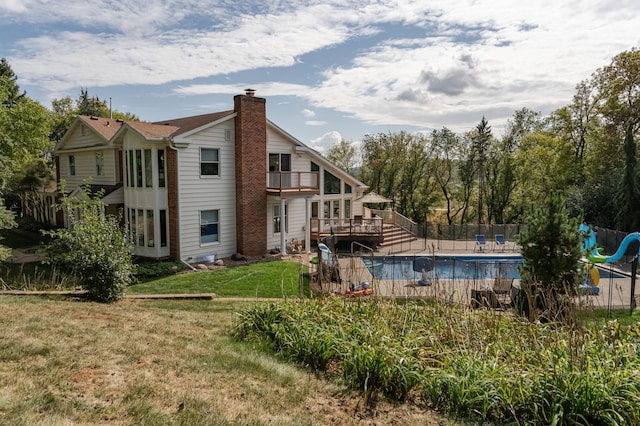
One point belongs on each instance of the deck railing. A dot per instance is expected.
(293, 182)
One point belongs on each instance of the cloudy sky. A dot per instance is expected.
(329, 69)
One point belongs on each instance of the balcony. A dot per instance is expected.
(293, 183)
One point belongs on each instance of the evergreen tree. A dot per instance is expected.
(551, 250)
(13, 95)
(628, 193)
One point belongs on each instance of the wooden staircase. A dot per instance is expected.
(393, 234)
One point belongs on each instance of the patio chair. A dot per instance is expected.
(500, 242)
(481, 242)
(502, 290)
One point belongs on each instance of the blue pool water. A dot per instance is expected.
(450, 267)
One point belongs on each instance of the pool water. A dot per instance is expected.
(451, 267)
(443, 267)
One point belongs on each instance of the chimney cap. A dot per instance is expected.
(249, 92)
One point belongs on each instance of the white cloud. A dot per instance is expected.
(15, 6)
(315, 123)
(324, 142)
(452, 63)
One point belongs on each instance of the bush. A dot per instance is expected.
(95, 248)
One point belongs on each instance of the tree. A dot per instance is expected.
(31, 182)
(6, 222)
(24, 131)
(619, 86)
(628, 193)
(13, 95)
(551, 251)
(95, 248)
(481, 140)
(448, 171)
(343, 155)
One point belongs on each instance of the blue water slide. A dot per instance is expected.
(593, 253)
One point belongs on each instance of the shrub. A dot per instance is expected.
(95, 248)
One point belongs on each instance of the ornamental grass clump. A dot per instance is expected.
(480, 365)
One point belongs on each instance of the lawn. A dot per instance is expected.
(266, 279)
(160, 363)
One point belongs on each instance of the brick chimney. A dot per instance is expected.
(251, 173)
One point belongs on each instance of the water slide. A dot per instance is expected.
(593, 253)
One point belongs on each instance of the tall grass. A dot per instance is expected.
(485, 365)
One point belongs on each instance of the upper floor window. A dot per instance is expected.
(331, 183)
(280, 165)
(161, 177)
(72, 165)
(347, 188)
(209, 223)
(209, 162)
(99, 163)
(148, 169)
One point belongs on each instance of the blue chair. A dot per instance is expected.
(481, 242)
(500, 242)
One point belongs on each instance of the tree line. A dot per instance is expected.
(585, 151)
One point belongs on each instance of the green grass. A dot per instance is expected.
(484, 366)
(267, 279)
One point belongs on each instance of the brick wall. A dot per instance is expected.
(251, 174)
(172, 201)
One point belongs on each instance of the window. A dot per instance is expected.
(316, 175)
(277, 219)
(347, 209)
(139, 168)
(280, 163)
(150, 229)
(209, 162)
(99, 163)
(72, 165)
(148, 169)
(163, 228)
(132, 181)
(347, 188)
(161, 178)
(140, 225)
(331, 183)
(209, 223)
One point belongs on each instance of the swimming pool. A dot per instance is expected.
(443, 267)
(450, 267)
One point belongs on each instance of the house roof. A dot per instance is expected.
(152, 131)
(186, 124)
(106, 127)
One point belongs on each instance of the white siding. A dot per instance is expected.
(146, 198)
(86, 168)
(198, 193)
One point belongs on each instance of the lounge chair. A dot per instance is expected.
(502, 290)
(481, 242)
(500, 242)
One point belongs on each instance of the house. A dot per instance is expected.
(220, 183)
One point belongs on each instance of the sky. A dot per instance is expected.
(330, 69)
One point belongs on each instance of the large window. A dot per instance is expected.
(72, 165)
(163, 228)
(161, 177)
(209, 225)
(209, 162)
(148, 169)
(280, 163)
(331, 183)
(131, 178)
(139, 168)
(99, 163)
(278, 219)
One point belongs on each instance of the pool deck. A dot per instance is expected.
(614, 292)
